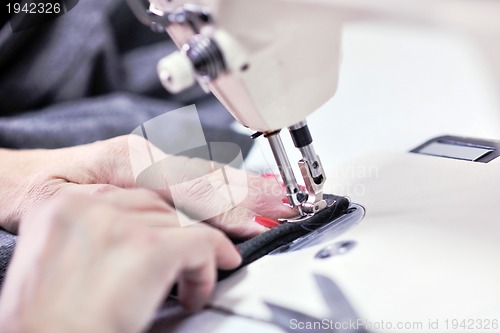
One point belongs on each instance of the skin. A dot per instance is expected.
(100, 248)
(32, 176)
(105, 264)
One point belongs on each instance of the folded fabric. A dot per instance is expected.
(263, 244)
(271, 240)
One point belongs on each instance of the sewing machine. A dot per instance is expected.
(269, 63)
(425, 252)
(251, 64)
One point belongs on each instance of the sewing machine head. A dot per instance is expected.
(269, 71)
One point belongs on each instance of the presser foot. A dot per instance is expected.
(308, 210)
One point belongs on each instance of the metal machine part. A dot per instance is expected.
(302, 140)
(200, 58)
(307, 204)
(310, 167)
(293, 192)
(335, 249)
(326, 233)
(158, 21)
(339, 308)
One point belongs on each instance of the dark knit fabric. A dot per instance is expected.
(265, 243)
(271, 240)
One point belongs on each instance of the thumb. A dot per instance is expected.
(212, 200)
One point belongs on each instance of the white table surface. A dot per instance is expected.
(399, 87)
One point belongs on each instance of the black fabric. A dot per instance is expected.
(265, 243)
(269, 241)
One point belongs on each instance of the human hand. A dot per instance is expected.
(105, 264)
(35, 175)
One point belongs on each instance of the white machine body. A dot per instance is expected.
(269, 73)
(277, 71)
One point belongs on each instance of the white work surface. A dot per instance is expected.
(399, 87)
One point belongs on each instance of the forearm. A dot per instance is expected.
(13, 166)
(30, 176)
(11, 184)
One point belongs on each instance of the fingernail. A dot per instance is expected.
(266, 222)
(285, 201)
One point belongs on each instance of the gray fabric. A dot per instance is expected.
(84, 77)
(97, 118)
(54, 62)
(7, 243)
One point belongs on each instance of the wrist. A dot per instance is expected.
(17, 173)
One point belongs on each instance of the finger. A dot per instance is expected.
(56, 212)
(152, 219)
(264, 202)
(199, 250)
(212, 200)
(207, 194)
(176, 170)
(127, 199)
(191, 168)
(226, 253)
(238, 223)
(195, 188)
(196, 285)
(199, 239)
(266, 197)
(91, 190)
(194, 243)
(137, 200)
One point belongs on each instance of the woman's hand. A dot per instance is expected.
(105, 264)
(31, 176)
